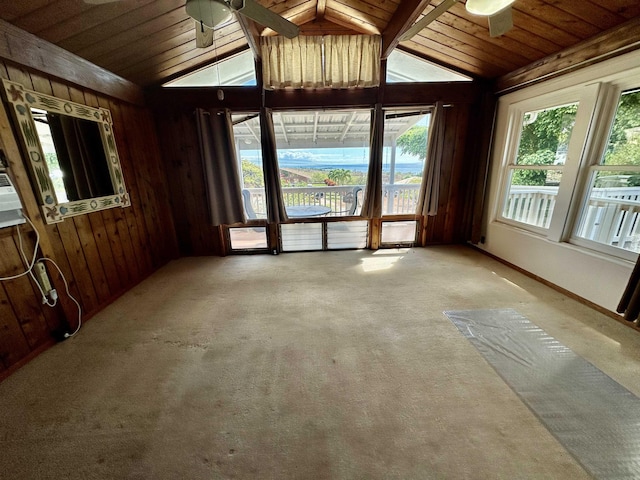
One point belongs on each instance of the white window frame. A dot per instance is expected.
(588, 272)
(603, 123)
(586, 97)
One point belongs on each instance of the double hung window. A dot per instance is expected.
(611, 205)
(535, 173)
(571, 166)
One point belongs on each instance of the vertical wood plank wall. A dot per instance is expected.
(448, 226)
(102, 254)
(178, 137)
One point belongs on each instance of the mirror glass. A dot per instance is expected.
(74, 155)
(71, 151)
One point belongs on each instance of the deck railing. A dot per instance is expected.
(611, 216)
(531, 205)
(397, 199)
(400, 199)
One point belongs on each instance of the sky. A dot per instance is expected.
(320, 157)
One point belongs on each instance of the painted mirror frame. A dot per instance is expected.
(23, 100)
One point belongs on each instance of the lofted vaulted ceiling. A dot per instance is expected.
(152, 41)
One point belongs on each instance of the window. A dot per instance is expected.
(535, 172)
(246, 134)
(612, 202)
(237, 70)
(398, 233)
(571, 166)
(248, 238)
(324, 236)
(301, 237)
(405, 150)
(323, 158)
(345, 235)
(403, 67)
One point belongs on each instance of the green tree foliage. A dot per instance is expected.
(533, 177)
(414, 142)
(549, 130)
(252, 175)
(625, 153)
(52, 160)
(318, 176)
(624, 142)
(544, 135)
(340, 176)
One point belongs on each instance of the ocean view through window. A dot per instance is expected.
(324, 159)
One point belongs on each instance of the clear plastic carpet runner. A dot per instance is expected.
(595, 418)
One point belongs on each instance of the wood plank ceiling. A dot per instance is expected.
(152, 41)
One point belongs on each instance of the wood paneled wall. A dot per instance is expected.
(180, 148)
(102, 254)
(458, 162)
(178, 137)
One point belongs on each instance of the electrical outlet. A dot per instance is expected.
(43, 278)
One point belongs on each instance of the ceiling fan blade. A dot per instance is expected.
(501, 22)
(427, 19)
(204, 36)
(253, 10)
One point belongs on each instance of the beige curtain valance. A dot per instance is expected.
(332, 61)
(292, 62)
(352, 61)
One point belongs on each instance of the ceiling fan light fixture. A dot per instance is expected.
(487, 7)
(210, 12)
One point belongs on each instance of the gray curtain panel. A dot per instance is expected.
(220, 166)
(430, 189)
(372, 204)
(630, 302)
(276, 212)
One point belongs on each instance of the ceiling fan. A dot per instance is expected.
(497, 11)
(209, 14)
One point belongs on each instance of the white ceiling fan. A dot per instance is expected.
(497, 11)
(209, 14)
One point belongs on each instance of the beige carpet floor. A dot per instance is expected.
(327, 365)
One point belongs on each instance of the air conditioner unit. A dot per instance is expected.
(10, 206)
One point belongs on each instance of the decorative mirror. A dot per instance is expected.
(72, 153)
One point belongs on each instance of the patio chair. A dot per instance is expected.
(353, 196)
(248, 208)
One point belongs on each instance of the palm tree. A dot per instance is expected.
(340, 175)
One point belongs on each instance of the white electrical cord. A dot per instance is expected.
(29, 271)
(66, 287)
(45, 300)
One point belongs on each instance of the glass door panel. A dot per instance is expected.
(323, 158)
(405, 150)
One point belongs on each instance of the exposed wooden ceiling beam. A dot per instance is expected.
(321, 8)
(427, 19)
(407, 13)
(610, 43)
(26, 49)
(353, 23)
(250, 30)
